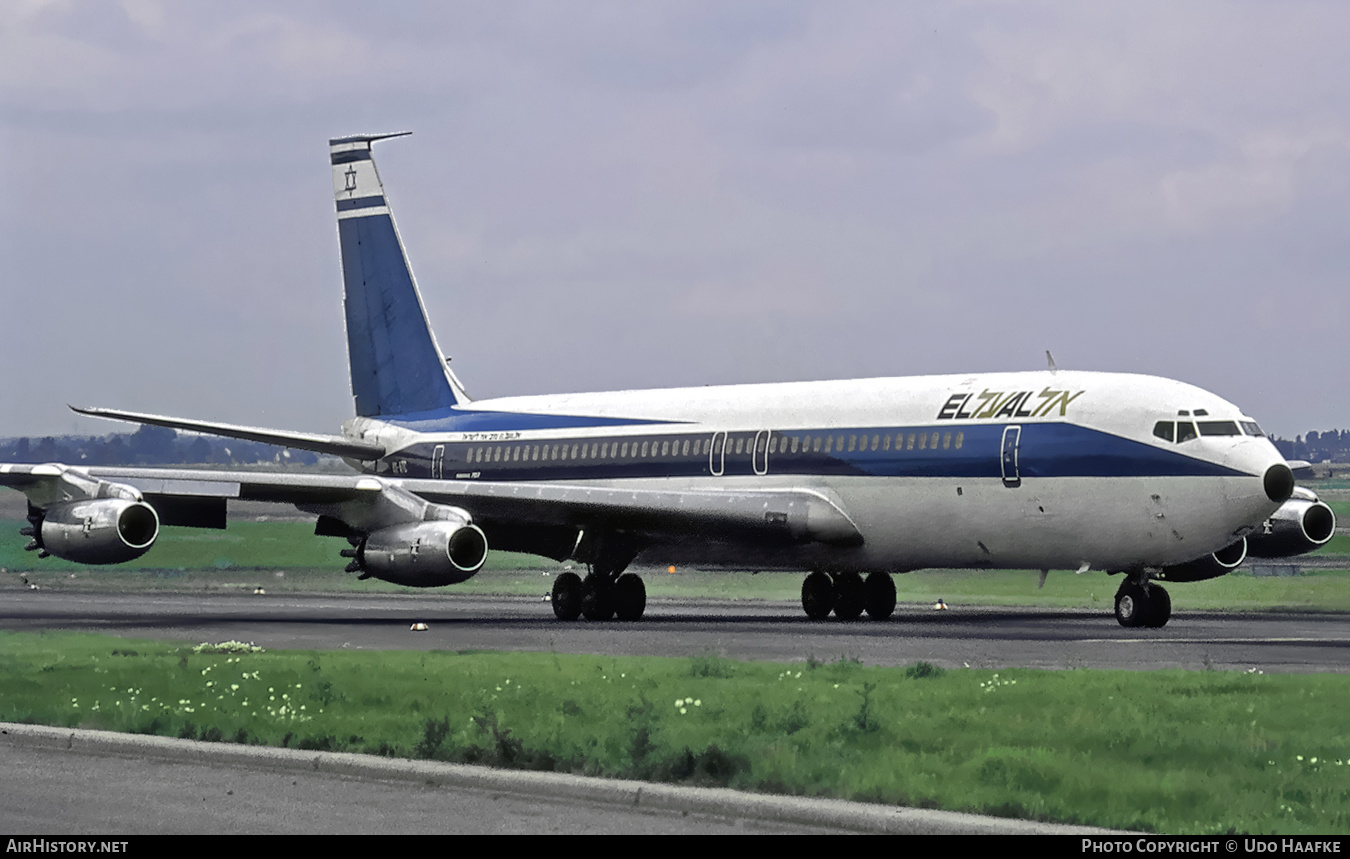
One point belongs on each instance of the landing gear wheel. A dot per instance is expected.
(597, 598)
(849, 596)
(818, 596)
(630, 597)
(879, 595)
(1159, 607)
(1132, 604)
(567, 596)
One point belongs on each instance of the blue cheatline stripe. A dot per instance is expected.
(359, 203)
(395, 366)
(1046, 450)
(351, 155)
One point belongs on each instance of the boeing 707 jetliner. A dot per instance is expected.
(848, 481)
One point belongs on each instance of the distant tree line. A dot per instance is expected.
(1333, 445)
(148, 446)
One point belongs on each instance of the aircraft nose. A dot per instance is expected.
(1279, 483)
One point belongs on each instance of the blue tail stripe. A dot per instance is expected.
(396, 368)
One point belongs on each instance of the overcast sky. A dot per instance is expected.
(603, 195)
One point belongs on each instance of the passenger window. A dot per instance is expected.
(1165, 430)
(686, 448)
(923, 440)
(876, 442)
(1185, 431)
(644, 448)
(815, 444)
(909, 442)
(946, 441)
(852, 443)
(932, 442)
(886, 442)
(960, 440)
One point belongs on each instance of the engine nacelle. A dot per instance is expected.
(1211, 566)
(98, 530)
(423, 554)
(1302, 524)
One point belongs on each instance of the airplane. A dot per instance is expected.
(849, 481)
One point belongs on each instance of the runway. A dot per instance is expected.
(752, 630)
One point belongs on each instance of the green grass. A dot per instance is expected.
(1166, 751)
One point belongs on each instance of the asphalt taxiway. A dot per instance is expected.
(978, 637)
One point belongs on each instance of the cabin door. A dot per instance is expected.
(437, 462)
(759, 457)
(717, 453)
(1012, 475)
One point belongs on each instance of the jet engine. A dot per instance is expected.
(1302, 524)
(1211, 566)
(94, 531)
(421, 554)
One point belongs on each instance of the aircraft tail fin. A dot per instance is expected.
(397, 367)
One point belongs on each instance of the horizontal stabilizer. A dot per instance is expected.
(331, 444)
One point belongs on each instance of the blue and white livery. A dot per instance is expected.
(849, 481)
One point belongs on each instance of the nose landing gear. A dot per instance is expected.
(1140, 602)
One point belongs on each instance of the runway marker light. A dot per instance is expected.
(419, 627)
(939, 606)
(671, 569)
(259, 592)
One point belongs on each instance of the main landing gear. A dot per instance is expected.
(1140, 602)
(599, 596)
(848, 595)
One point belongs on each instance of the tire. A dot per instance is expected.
(1159, 607)
(1132, 605)
(629, 597)
(597, 598)
(567, 596)
(879, 595)
(849, 596)
(818, 596)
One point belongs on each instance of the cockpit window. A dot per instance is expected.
(1185, 431)
(1165, 430)
(1219, 428)
(1251, 428)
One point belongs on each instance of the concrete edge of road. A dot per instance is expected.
(833, 813)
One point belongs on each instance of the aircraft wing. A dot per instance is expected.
(197, 497)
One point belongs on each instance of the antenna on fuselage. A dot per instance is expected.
(1050, 360)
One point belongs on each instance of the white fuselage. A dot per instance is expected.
(1053, 470)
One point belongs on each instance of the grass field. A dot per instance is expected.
(1166, 751)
